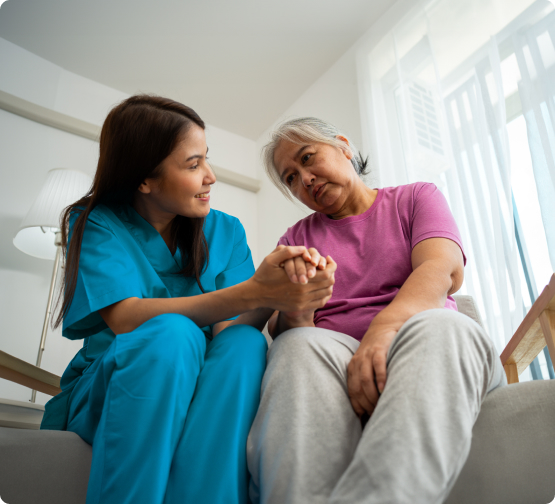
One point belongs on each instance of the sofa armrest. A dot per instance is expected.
(536, 330)
(19, 371)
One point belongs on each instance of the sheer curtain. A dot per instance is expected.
(439, 90)
(536, 89)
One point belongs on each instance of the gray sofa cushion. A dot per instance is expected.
(46, 467)
(511, 460)
(512, 457)
(466, 305)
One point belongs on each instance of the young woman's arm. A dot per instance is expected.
(437, 273)
(299, 270)
(255, 318)
(269, 288)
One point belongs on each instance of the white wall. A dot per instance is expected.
(333, 98)
(27, 151)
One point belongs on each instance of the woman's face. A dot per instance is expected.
(319, 175)
(184, 184)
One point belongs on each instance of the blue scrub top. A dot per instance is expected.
(123, 256)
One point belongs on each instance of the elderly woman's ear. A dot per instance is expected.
(347, 149)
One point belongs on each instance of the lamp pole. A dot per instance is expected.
(58, 243)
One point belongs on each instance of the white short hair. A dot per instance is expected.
(307, 129)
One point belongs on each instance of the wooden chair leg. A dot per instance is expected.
(512, 372)
(547, 321)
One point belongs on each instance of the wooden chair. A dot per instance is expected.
(19, 371)
(536, 330)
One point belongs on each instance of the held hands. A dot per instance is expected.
(275, 280)
(366, 373)
(299, 269)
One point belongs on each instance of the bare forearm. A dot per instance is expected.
(269, 287)
(255, 318)
(426, 288)
(203, 310)
(283, 322)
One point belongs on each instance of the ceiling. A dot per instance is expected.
(238, 63)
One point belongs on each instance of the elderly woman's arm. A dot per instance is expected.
(437, 272)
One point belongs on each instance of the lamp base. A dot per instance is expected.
(58, 244)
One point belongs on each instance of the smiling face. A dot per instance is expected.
(319, 175)
(183, 186)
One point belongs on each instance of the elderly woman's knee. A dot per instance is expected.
(446, 327)
(298, 344)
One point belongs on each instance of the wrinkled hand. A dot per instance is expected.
(300, 269)
(367, 373)
(278, 292)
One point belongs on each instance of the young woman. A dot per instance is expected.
(168, 380)
(389, 344)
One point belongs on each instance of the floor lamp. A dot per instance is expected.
(39, 234)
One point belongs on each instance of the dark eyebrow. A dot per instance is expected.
(196, 156)
(297, 154)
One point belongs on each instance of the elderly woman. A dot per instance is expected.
(389, 345)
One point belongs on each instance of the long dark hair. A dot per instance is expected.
(136, 137)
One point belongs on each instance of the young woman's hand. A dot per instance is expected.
(366, 373)
(275, 289)
(301, 268)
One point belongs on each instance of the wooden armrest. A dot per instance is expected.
(536, 330)
(19, 371)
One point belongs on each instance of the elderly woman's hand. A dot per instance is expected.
(367, 373)
(302, 268)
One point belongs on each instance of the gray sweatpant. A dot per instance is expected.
(306, 445)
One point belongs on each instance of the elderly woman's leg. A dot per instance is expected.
(440, 367)
(306, 432)
(305, 443)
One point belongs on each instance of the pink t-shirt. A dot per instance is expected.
(373, 251)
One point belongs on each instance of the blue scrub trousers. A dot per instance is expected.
(168, 414)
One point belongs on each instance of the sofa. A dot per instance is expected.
(511, 461)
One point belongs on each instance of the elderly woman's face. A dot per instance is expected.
(319, 175)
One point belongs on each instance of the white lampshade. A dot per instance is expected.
(37, 232)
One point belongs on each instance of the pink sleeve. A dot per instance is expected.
(283, 240)
(432, 218)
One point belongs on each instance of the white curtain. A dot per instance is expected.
(537, 93)
(437, 90)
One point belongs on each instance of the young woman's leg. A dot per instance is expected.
(209, 464)
(131, 405)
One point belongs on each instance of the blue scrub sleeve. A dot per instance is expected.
(107, 274)
(240, 266)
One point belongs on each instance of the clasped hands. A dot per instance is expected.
(366, 373)
(295, 281)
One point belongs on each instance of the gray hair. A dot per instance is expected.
(307, 129)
